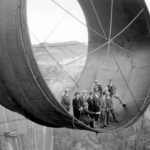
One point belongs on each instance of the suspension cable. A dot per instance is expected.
(107, 64)
(79, 20)
(130, 52)
(108, 51)
(98, 19)
(60, 21)
(81, 59)
(110, 30)
(58, 24)
(77, 58)
(54, 58)
(128, 25)
(124, 78)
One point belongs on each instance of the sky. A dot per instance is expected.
(45, 15)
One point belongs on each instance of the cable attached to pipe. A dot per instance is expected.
(124, 78)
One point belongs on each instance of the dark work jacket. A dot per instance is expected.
(97, 101)
(99, 88)
(65, 102)
(85, 116)
(76, 106)
(91, 103)
(109, 103)
(111, 89)
(82, 100)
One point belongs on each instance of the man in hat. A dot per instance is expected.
(97, 100)
(76, 105)
(109, 107)
(112, 90)
(96, 85)
(91, 104)
(65, 100)
(83, 98)
(85, 116)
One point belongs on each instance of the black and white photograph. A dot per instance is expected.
(74, 74)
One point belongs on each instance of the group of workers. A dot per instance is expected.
(96, 107)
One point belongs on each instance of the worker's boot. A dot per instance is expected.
(92, 124)
(113, 114)
(107, 118)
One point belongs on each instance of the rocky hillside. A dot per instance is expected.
(50, 57)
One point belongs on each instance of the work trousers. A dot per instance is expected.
(117, 96)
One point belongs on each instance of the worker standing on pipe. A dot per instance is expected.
(103, 109)
(65, 100)
(91, 103)
(83, 98)
(109, 108)
(76, 105)
(112, 90)
(97, 99)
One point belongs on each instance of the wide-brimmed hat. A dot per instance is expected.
(66, 90)
(84, 91)
(106, 88)
(96, 81)
(91, 93)
(107, 93)
(76, 93)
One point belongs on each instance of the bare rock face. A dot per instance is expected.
(136, 137)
